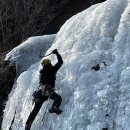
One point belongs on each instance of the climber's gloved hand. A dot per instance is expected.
(55, 51)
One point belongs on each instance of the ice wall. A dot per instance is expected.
(92, 100)
(29, 51)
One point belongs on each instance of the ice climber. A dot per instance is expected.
(46, 89)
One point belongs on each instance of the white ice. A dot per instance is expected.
(26, 56)
(92, 100)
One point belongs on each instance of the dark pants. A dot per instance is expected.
(57, 101)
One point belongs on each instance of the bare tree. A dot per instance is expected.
(2, 28)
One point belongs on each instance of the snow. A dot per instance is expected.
(92, 100)
(26, 56)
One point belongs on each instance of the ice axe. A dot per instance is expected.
(46, 55)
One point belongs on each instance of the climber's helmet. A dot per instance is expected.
(46, 62)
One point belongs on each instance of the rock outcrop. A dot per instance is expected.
(7, 78)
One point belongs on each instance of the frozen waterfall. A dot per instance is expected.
(92, 100)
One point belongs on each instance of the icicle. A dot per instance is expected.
(10, 128)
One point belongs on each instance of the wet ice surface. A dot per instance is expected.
(92, 100)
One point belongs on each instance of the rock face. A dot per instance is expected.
(20, 19)
(7, 77)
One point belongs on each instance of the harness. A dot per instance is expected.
(44, 90)
(47, 90)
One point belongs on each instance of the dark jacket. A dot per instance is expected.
(48, 73)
